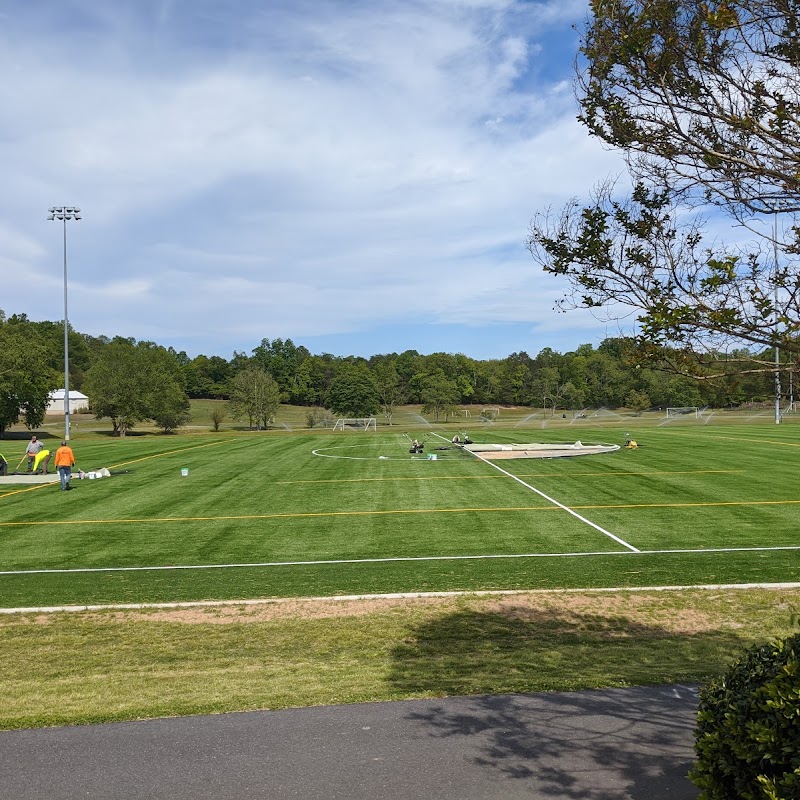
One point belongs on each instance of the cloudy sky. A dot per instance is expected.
(356, 175)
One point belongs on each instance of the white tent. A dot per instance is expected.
(77, 402)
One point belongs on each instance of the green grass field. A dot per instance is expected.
(307, 514)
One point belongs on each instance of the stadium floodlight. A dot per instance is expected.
(64, 213)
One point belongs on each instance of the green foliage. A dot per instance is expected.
(353, 393)
(681, 86)
(26, 380)
(637, 401)
(316, 416)
(439, 396)
(254, 394)
(129, 383)
(748, 732)
(283, 360)
(587, 377)
(702, 99)
(388, 388)
(217, 417)
(207, 377)
(170, 407)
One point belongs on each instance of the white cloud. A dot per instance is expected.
(288, 173)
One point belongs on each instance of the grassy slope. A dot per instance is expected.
(90, 667)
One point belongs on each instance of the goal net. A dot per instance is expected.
(682, 411)
(356, 424)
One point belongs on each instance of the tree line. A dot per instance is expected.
(129, 381)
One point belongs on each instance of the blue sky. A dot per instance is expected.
(356, 176)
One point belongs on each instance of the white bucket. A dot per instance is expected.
(185, 471)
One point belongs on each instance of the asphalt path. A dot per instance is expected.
(595, 745)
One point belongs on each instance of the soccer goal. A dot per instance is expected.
(682, 411)
(356, 424)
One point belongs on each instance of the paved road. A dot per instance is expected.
(597, 745)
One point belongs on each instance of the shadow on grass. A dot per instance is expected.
(25, 436)
(602, 744)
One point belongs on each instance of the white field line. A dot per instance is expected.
(396, 559)
(393, 596)
(554, 502)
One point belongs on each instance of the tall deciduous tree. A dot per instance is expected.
(130, 383)
(388, 389)
(439, 396)
(254, 394)
(353, 393)
(25, 378)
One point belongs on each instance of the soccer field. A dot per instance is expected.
(284, 514)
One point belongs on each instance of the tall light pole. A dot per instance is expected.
(64, 213)
(777, 348)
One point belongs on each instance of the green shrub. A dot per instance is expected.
(748, 727)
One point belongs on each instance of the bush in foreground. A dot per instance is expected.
(748, 727)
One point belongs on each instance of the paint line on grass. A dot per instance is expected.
(397, 559)
(391, 512)
(170, 453)
(27, 489)
(744, 438)
(344, 598)
(553, 501)
(116, 466)
(244, 517)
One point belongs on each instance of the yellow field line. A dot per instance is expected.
(167, 453)
(116, 466)
(739, 439)
(532, 475)
(397, 512)
(27, 489)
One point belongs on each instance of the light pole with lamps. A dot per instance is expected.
(64, 213)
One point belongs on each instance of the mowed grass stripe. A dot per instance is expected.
(266, 499)
(226, 518)
(530, 475)
(168, 453)
(405, 559)
(301, 515)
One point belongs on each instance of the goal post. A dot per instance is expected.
(356, 424)
(682, 411)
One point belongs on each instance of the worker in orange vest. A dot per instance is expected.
(65, 461)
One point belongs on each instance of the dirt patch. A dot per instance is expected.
(591, 611)
(623, 614)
